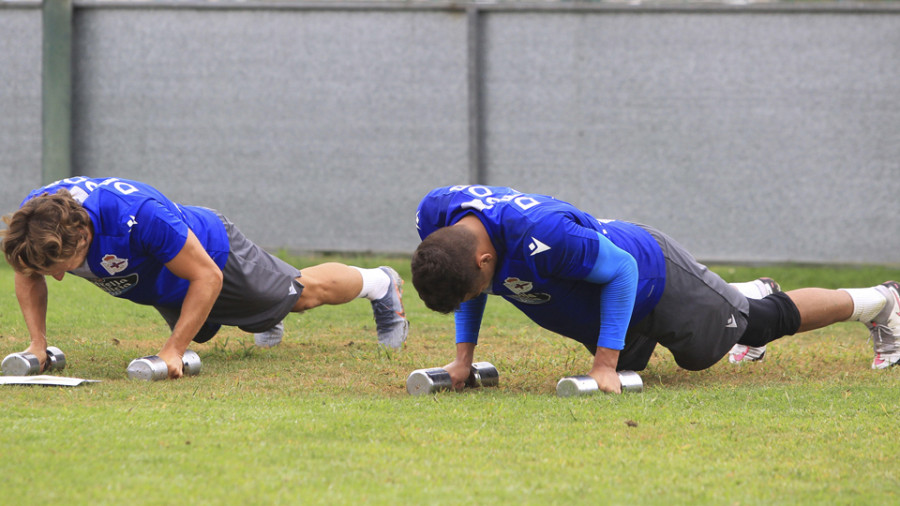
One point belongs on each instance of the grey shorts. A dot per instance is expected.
(699, 317)
(258, 289)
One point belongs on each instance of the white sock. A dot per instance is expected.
(750, 289)
(375, 283)
(867, 303)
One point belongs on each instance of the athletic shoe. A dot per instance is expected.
(390, 318)
(756, 289)
(741, 353)
(885, 327)
(271, 337)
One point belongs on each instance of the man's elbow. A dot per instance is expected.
(214, 280)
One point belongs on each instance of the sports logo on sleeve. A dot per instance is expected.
(536, 247)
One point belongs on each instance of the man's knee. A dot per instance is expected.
(695, 363)
(771, 317)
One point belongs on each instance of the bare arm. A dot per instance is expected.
(31, 292)
(195, 265)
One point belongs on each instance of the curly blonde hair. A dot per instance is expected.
(46, 231)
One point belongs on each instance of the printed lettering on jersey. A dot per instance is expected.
(78, 194)
(120, 186)
(485, 198)
(90, 185)
(114, 264)
(521, 290)
(116, 286)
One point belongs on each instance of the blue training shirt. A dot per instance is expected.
(546, 249)
(137, 230)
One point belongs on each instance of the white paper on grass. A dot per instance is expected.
(46, 380)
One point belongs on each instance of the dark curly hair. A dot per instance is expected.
(44, 232)
(444, 269)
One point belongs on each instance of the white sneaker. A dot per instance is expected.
(390, 317)
(756, 289)
(741, 353)
(271, 337)
(885, 328)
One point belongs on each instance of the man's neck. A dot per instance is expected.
(474, 225)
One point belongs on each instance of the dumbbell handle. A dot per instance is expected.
(586, 385)
(24, 363)
(154, 368)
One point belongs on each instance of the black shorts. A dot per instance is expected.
(258, 289)
(699, 317)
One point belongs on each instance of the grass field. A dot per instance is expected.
(325, 418)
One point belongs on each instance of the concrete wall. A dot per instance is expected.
(748, 134)
(311, 130)
(20, 104)
(752, 137)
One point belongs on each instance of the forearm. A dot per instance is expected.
(31, 293)
(205, 279)
(200, 298)
(468, 323)
(616, 305)
(617, 271)
(465, 354)
(468, 319)
(605, 359)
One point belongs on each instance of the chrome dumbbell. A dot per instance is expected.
(27, 364)
(153, 368)
(585, 385)
(436, 379)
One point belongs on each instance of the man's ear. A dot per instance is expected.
(485, 260)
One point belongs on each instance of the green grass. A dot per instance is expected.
(325, 418)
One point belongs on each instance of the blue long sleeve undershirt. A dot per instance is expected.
(614, 268)
(468, 319)
(618, 271)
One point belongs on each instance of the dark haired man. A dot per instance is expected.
(618, 288)
(191, 263)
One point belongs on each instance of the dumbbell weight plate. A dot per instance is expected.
(191, 362)
(483, 374)
(20, 364)
(428, 381)
(576, 385)
(56, 359)
(150, 368)
(631, 382)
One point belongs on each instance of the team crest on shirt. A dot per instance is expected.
(517, 286)
(521, 290)
(114, 264)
